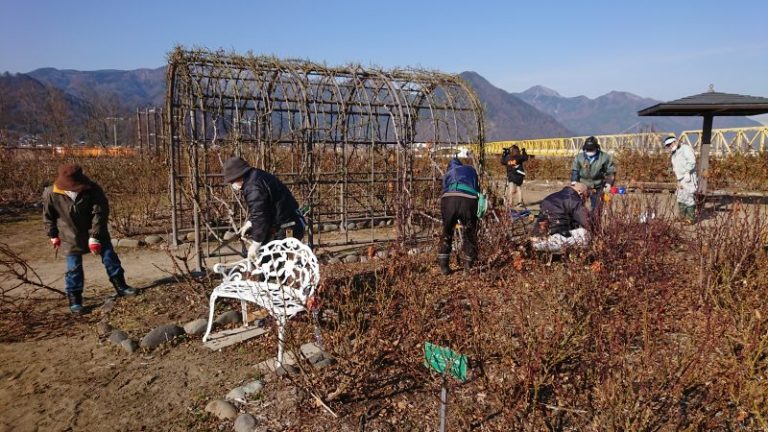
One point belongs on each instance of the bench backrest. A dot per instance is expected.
(281, 280)
(291, 264)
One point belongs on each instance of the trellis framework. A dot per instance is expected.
(355, 145)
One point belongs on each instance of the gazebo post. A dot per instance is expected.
(708, 105)
(706, 143)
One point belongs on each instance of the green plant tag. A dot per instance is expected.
(442, 360)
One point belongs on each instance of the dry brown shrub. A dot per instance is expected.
(622, 336)
(737, 171)
(25, 299)
(137, 187)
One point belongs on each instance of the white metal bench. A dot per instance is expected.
(281, 281)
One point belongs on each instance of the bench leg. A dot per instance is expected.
(281, 322)
(244, 307)
(210, 317)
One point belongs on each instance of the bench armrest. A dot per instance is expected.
(226, 269)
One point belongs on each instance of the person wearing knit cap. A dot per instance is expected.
(75, 213)
(273, 213)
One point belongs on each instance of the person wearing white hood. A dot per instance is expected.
(684, 167)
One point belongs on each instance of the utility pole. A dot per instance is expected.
(151, 133)
(114, 126)
(138, 131)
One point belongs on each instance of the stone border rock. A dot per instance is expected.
(127, 243)
(196, 327)
(245, 423)
(161, 334)
(221, 409)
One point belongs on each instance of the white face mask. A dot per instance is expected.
(237, 186)
(590, 154)
(71, 194)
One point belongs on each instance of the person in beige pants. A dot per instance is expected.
(513, 159)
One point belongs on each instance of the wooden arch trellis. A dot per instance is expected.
(357, 146)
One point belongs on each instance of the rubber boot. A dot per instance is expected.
(444, 261)
(690, 214)
(121, 287)
(468, 264)
(75, 302)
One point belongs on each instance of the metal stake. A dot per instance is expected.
(443, 402)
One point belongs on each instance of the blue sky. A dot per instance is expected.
(660, 49)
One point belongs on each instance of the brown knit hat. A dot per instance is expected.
(71, 178)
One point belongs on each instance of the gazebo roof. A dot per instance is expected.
(710, 103)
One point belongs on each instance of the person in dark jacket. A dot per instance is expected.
(273, 212)
(596, 169)
(459, 204)
(76, 213)
(564, 220)
(565, 209)
(513, 159)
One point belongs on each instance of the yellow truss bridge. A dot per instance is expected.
(751, 140)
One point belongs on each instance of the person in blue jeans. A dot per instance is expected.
(75, 212)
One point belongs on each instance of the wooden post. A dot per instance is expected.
(138, 131)
(194, 172)
(146, 131)
(157, 118)
(706, 143)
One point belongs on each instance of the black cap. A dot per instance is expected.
(234, 168)
(590, 144)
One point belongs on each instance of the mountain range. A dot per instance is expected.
(27, 105)
(613, 113)
(83, 99)
(133, 88)
(508, 117)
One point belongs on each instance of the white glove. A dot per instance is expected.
(244, 229)
(253, 251)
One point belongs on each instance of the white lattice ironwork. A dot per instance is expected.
(281, 281)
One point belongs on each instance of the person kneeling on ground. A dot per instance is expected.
(75, 212)
(564, 220)
(459, 204)
(273, 212)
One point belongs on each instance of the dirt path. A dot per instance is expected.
(63, 376)
(59, 374)
(24, 234)
(79, 383)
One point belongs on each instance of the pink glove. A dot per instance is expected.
(56, 242)
(95, 246)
